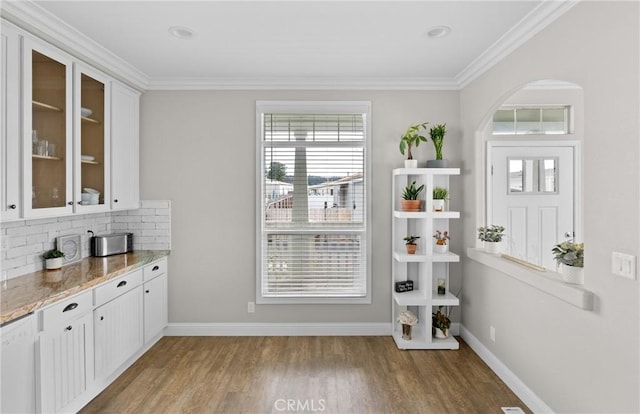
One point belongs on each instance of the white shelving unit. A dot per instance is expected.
(425, 267)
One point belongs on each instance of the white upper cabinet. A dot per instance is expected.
(47, 130)
(10, 203)
(70, 144)
(125, 138)
(92, 125)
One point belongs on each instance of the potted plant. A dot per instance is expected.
(440, 195)
(53, 259)
(437, 134)
(570, 259)
(441, 323)
(410, 243)
(412, 138)
(410, 195)
(441, 241)
(491, 236)
(407, 319)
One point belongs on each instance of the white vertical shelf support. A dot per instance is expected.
(425, 267)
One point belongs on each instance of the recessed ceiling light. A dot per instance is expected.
(438, 31)
(181, 32)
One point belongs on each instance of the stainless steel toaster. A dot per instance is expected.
(109, 244)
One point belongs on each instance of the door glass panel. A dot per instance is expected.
(532, 175)
(48, 132)
(92, 141)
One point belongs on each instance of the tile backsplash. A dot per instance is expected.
(24, 241)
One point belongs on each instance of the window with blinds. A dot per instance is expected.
(312, 196)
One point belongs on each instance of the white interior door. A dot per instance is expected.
(532, 195)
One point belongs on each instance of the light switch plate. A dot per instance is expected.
(623, 265)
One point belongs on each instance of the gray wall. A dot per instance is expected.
(575, 360)
(198, 150)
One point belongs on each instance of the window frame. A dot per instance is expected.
(312, 107)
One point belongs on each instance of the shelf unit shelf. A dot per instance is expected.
(41, 106)
(90, 120)
(45, 157)
(90, 162)
(424, 267)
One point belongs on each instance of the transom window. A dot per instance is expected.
(531, 121)
(312, 202)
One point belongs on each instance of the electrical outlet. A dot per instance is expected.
(492, 333)
(251, 307)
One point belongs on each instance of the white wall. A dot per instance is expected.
(198, 150)
(575, 360)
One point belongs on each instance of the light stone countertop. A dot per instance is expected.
(25, 294)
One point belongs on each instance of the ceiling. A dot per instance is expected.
(321, 41)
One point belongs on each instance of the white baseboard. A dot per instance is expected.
(278, 329)
(519, 388)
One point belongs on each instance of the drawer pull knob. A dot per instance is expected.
(123, 283)
(68, 328)
(102, 318)
(12, 206)
(70, 307)
(156, 267)
(146, 291)
(115, 201)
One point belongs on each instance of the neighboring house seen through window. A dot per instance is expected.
(313, 202)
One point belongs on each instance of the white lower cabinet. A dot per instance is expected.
(118, 331)
(18, 366)
(155, 307)
(65, 365)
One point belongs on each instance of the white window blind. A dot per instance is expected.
(313, 203)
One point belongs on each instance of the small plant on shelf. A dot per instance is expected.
(440, 321)
(410, 243)
(441, 241)
(407, 319)
(569, 253)
(440, 195)
(410, 139)
(410, 196)
(437, 134)
(52, 254)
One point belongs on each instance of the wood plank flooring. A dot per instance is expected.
(303, 374)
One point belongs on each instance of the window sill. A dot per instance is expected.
(548, 282)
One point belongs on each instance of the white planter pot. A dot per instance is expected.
(438, 205)
(441, 335)
(440, 248)
(410, 163)
(572, 274)
(492, 247)
(55, 263)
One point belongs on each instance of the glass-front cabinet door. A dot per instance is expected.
(47, 129)
(91, 149)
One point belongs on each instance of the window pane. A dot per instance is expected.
(312, 127)
(515, 176)
(554, 121)
(314, 265)
(528, 121)
(503, 121)
(548, 184)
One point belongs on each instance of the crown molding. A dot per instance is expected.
(310, 83)
(40, 22)
(529, 26)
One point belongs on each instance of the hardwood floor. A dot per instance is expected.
(303, 374)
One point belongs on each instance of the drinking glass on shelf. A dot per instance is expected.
(43, 147)
(51, 150)
(34, 141)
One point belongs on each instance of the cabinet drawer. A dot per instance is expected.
(117, 287)
(155, 269)
(66, 310)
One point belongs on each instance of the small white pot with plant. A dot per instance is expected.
(407, 319)
(441, 323)
(491, 236)
(570, 259)
(410, 139)
(53, 259)
(440, 195)
(441, 245)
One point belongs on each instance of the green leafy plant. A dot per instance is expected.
(441, 237)
(491, 233)
(437, 134)
(441, 320)
(569, 253)
(411, 192)
(440, 193)
(52, 254)
(411, 239)
(412, 138)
